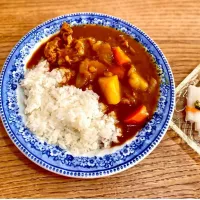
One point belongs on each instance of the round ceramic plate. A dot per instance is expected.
(55, 159)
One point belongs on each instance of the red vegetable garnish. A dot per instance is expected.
(120, 57)
(138, 116)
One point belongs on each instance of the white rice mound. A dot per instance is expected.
(65, 116)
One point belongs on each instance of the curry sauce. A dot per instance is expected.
(92, 48)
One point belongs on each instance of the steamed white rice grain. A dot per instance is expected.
(65, 116)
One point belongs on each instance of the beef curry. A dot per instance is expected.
(112, 64)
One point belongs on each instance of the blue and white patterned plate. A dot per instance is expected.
(55, 159)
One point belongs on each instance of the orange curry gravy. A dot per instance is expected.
(142, 61)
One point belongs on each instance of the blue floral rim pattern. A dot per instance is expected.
(52, 157)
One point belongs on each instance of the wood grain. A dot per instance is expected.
(172, 170)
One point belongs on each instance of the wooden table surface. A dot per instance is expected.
(172, 170)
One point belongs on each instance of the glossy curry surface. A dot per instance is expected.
(101, 59)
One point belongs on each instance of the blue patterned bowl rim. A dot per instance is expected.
(52, 157)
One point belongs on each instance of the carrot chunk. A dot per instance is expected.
(138, 116)
(120, 57)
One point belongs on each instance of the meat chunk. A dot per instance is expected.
(75, 49)
(92, 66)
(104, 52)
(50, 50)
(68, 55)
(91, 41)
(88, 70)
(63, 56)
(66, 29)
(100, 68)
(66, 32)
(80, 47)
(67, 38)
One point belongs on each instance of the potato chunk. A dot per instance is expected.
(110, 88)
(136, 81)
